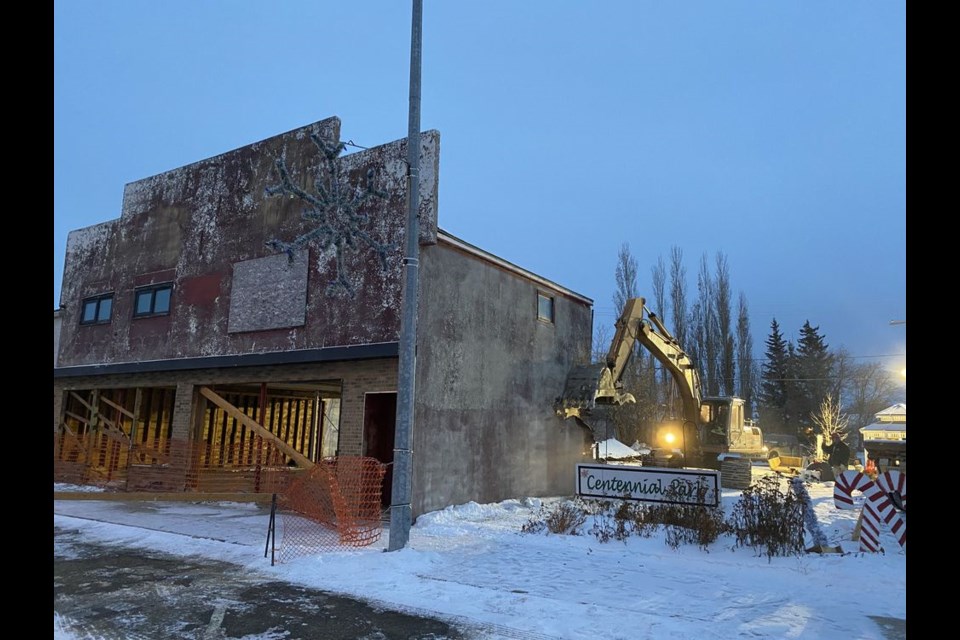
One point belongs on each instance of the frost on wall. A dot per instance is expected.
(269, 293)
(334, 211)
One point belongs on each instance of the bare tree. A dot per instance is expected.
(704, 328)
(659, 282)
(602, 335)
(678, 295)
(725, 343)
(626, 274)
(830, 420)
(868, 389)
(746, 367)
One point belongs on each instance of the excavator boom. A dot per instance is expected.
(599, 383)
(653, 335)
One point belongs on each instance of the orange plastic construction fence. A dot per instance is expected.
(170, 465)
(335, 504)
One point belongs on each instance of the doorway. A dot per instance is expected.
(379, 425)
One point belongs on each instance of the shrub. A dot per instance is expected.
(768, 519)
(567, 517)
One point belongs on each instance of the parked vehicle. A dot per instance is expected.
(782, 444)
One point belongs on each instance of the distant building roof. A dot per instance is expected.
(885, 426)
(894, 410)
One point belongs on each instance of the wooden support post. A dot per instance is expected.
(135, 418)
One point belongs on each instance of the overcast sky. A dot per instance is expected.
(773, 132)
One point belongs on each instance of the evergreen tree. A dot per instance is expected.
(815, 379)
(796, 404)
(774, 374)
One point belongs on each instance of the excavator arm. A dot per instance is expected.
(665, 348)
(596, 384)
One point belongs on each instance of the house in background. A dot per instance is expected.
(259, 293)
(885, 439)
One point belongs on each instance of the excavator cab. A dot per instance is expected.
(715, 418)
(724, 428)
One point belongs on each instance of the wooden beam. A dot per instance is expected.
(80, 443)
(301, 460)
(110, 423)
(77, 417)
(86, 404)
(117, 407)
(136, 412)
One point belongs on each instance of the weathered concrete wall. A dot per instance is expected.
(57, 323)
(488, 372)
(196, 226)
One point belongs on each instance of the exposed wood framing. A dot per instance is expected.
(141, 450)
(77, 417)
(113, 404)
(301, 460)
(136, 412)
(77, 439)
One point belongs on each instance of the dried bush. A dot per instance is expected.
(687, 523)
(567, 518)
(683, 523)
(768, 519)
(603, 527)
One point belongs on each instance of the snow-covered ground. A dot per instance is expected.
(472, 563)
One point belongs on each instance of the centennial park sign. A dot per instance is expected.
(649, 484)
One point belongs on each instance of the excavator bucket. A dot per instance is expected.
(580, 392)
(585, 385)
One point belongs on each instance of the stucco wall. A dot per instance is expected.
(488, 372)
(197, 225)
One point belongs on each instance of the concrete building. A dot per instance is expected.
(259, 293)
(57, 322)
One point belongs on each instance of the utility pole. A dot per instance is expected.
(400, 512)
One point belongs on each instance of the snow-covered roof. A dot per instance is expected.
(614, 449)
(899, 409)
(885, 426)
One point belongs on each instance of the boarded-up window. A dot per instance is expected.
(269, 293)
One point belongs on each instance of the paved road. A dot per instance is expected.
(104, 592)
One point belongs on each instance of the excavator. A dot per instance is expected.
(708, 426)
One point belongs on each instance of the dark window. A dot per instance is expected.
(97, 310)
(544, 308)
(152, 301)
